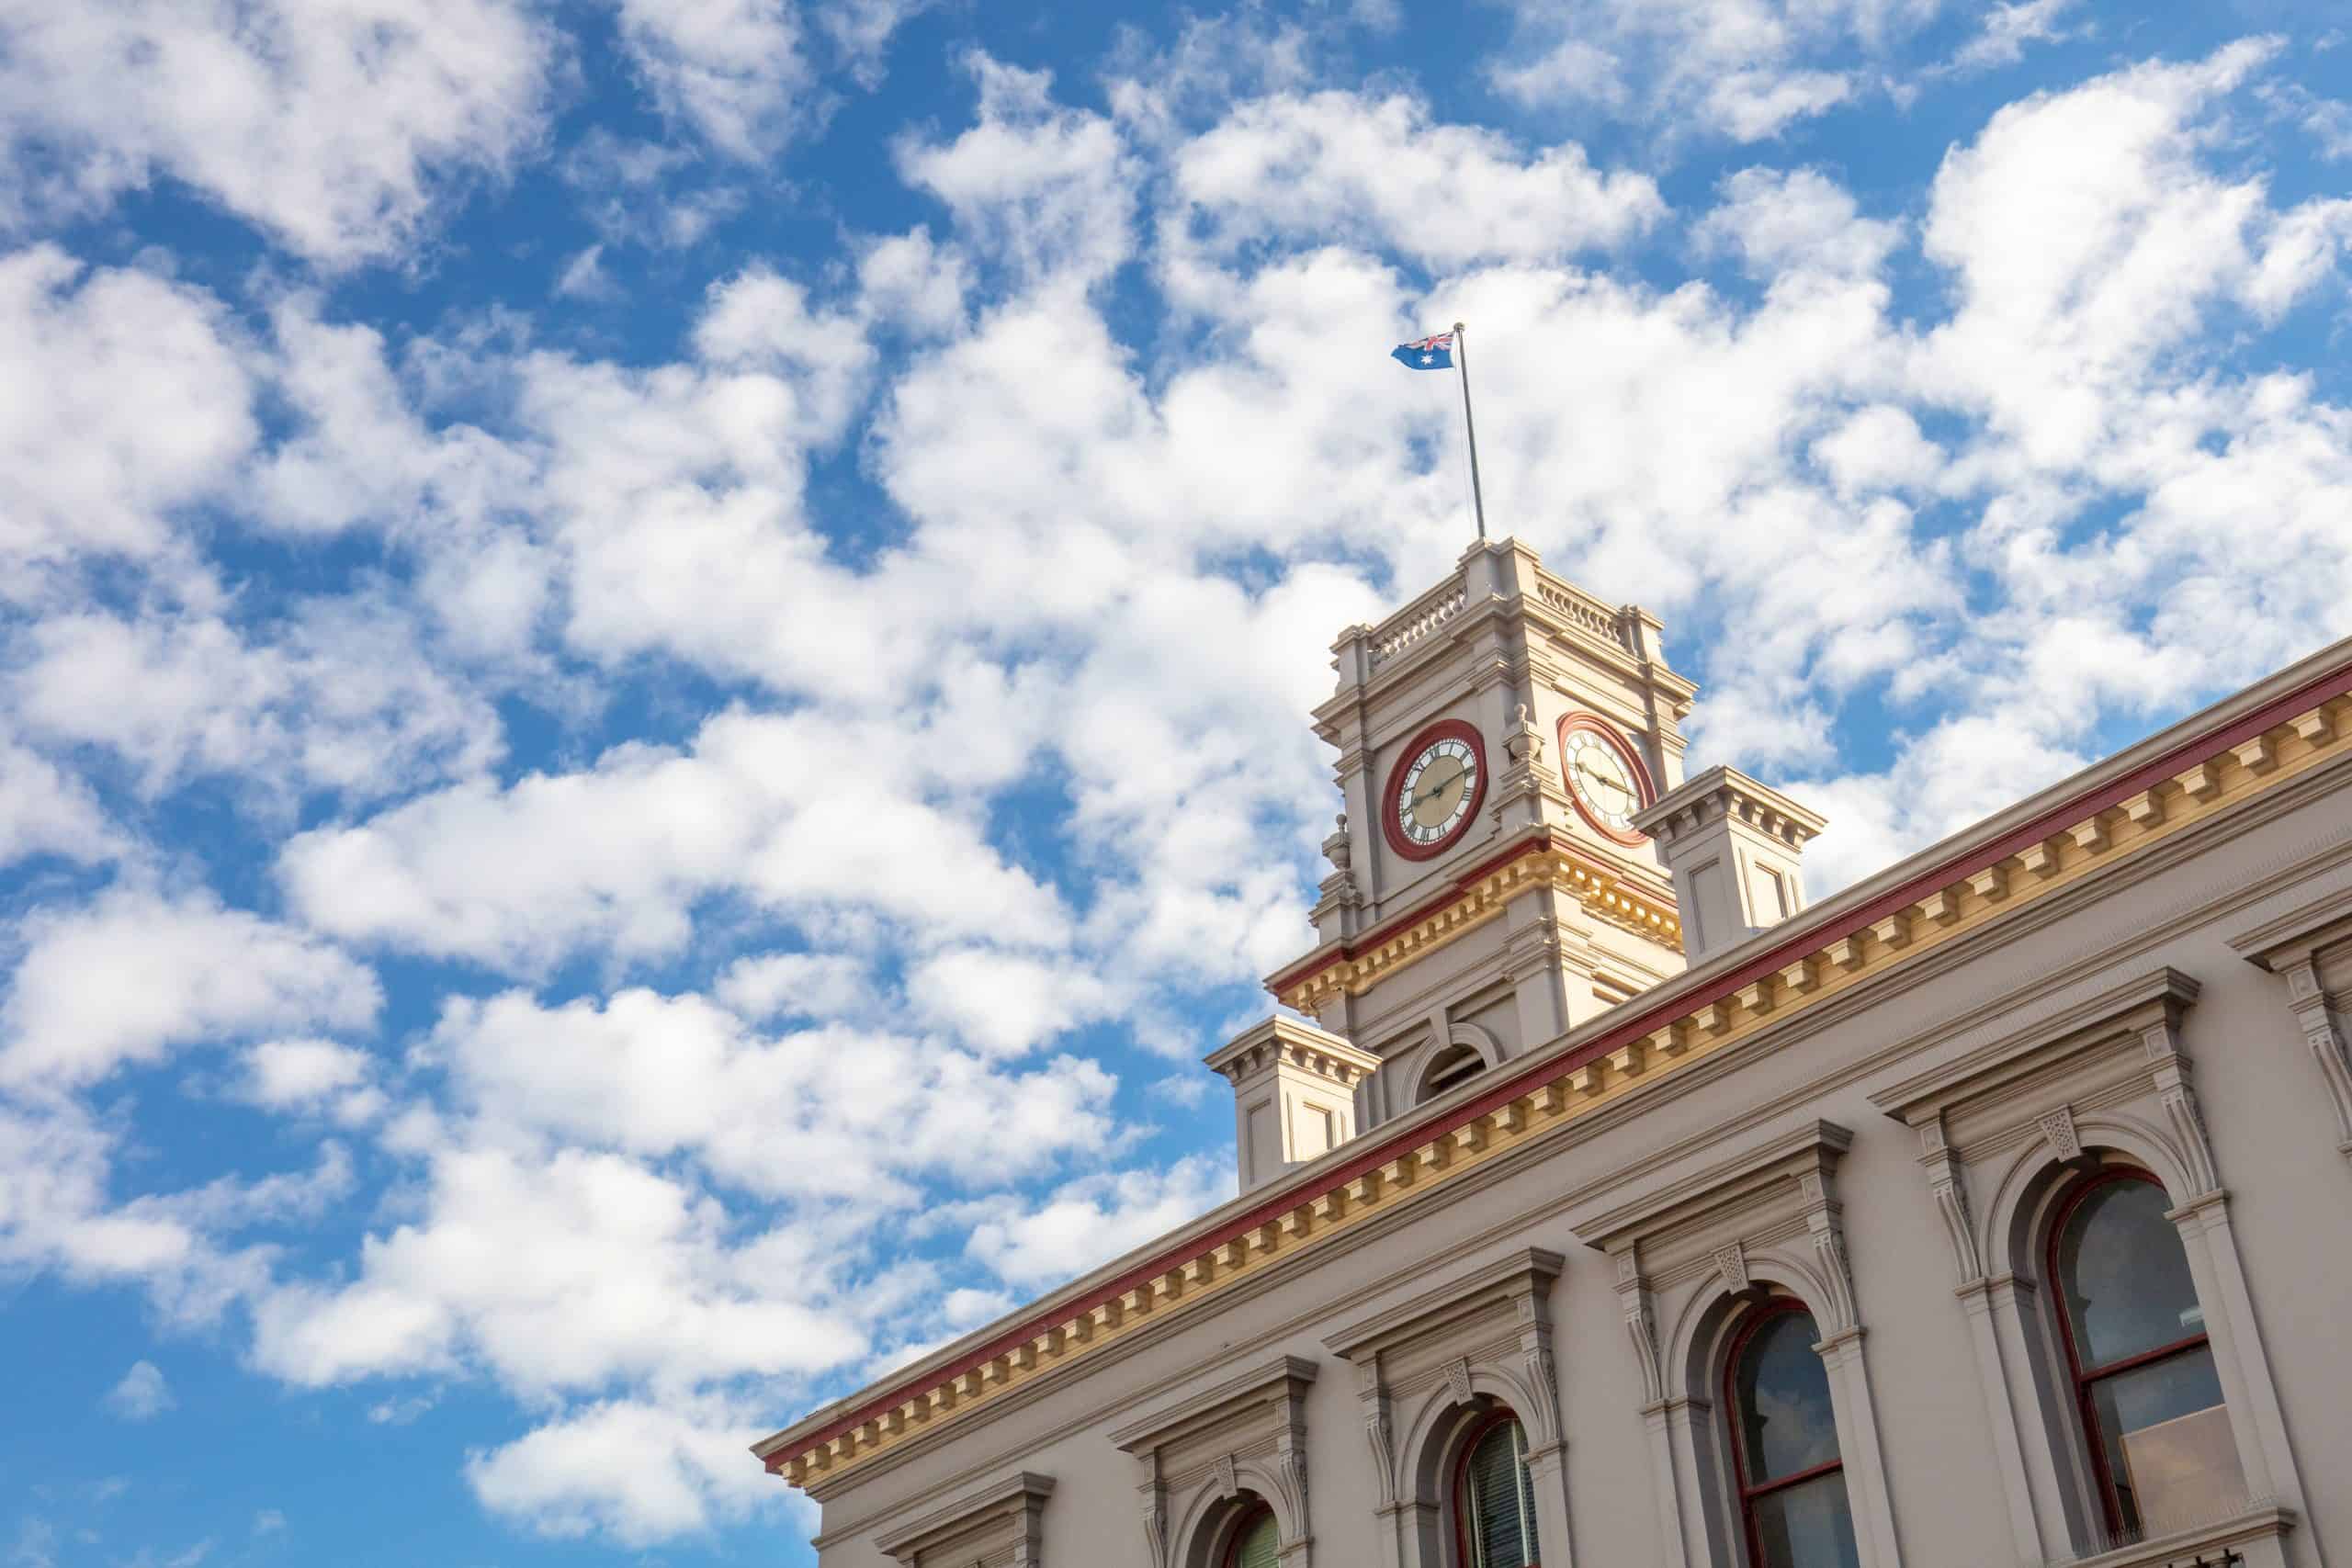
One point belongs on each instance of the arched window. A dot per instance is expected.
(1455, 1065)
(2161, 1452)
(1494, 1501)
(1784, 1444)
(1255, 1541)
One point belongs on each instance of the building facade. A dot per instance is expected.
(1620, 1207)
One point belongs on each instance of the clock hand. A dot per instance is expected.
(1599, 778)
(1436, 790)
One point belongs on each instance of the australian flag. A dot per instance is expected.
(1429, 353)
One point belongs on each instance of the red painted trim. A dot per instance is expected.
(1639, 1020)
(1756, 1322)
(2087, 1379)
(1392, 826)
(1593, 724)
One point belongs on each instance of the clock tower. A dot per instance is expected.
(1497, 739)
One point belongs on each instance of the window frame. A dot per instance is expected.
(1447, 1061)
(1245, 1520)
(2082, 1381)
(1746, 1496)
(1473, 1434)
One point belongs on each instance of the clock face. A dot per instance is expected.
(1434, 790)
(1604, 776)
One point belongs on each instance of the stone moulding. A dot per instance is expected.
(1000, 1524)
(1541, 860)
(2251, 745)
(2309, 948)
(1425, 1361)
(1198, 1456)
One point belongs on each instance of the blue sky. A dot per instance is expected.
(653, 654)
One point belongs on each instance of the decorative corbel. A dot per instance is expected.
(1641, 1325)
(1155, 1521)
(2178, 1096)
(1824, 1218)
(1947, 1184)
(2325, 1035)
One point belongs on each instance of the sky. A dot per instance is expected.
(654, 653)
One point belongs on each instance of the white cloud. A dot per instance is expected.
(312, 1075)
(127, 400)
(1043, 186)
(1336, 167)
(1881, 448)
(44, 811)
(1793, 221)
(2008, 28)
(142, 1394)
(795, 985)
(638, 1472)
(910, 283)
(562, 1271)
(585, 278)
(863, 1111)
(205, 972)
(618, 855)
(344, 699)
(337, 128)
(1003, 1003)
(1094, 1220)
(1745, 69)
(861, 30)
(2131, 236)
(269, 1521)
(732, 69)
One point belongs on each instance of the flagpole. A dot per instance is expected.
(1469, 426)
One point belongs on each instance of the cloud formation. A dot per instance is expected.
(675, 801)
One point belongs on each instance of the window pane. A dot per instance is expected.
(1782, 1393)
(2169, 1448)
(1807, 1526)
(2124, 1275)
(1501, 1524)
(1258, 1544)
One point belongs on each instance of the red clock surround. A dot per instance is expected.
(1593, 724)
(1392, 828)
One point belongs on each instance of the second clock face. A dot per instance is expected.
(1434, 790)
(1604, 774)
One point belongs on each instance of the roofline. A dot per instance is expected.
(2233, 720)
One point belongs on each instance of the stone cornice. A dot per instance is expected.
(1540, 858)
(1284, 1377)
(2161, 995)
(2236, 752)
(1727, 791)
(1019, 1495)
(1817, 1146)
(1327, 1055)
(2294, 935)
(1528, 1270)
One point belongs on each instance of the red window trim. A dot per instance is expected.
(1471, 1436)
(1776, 1308)
(2087, 1379)
(1242, 1526)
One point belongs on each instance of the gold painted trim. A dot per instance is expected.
(1601, 894)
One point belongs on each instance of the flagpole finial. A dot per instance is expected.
(1460, 327)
